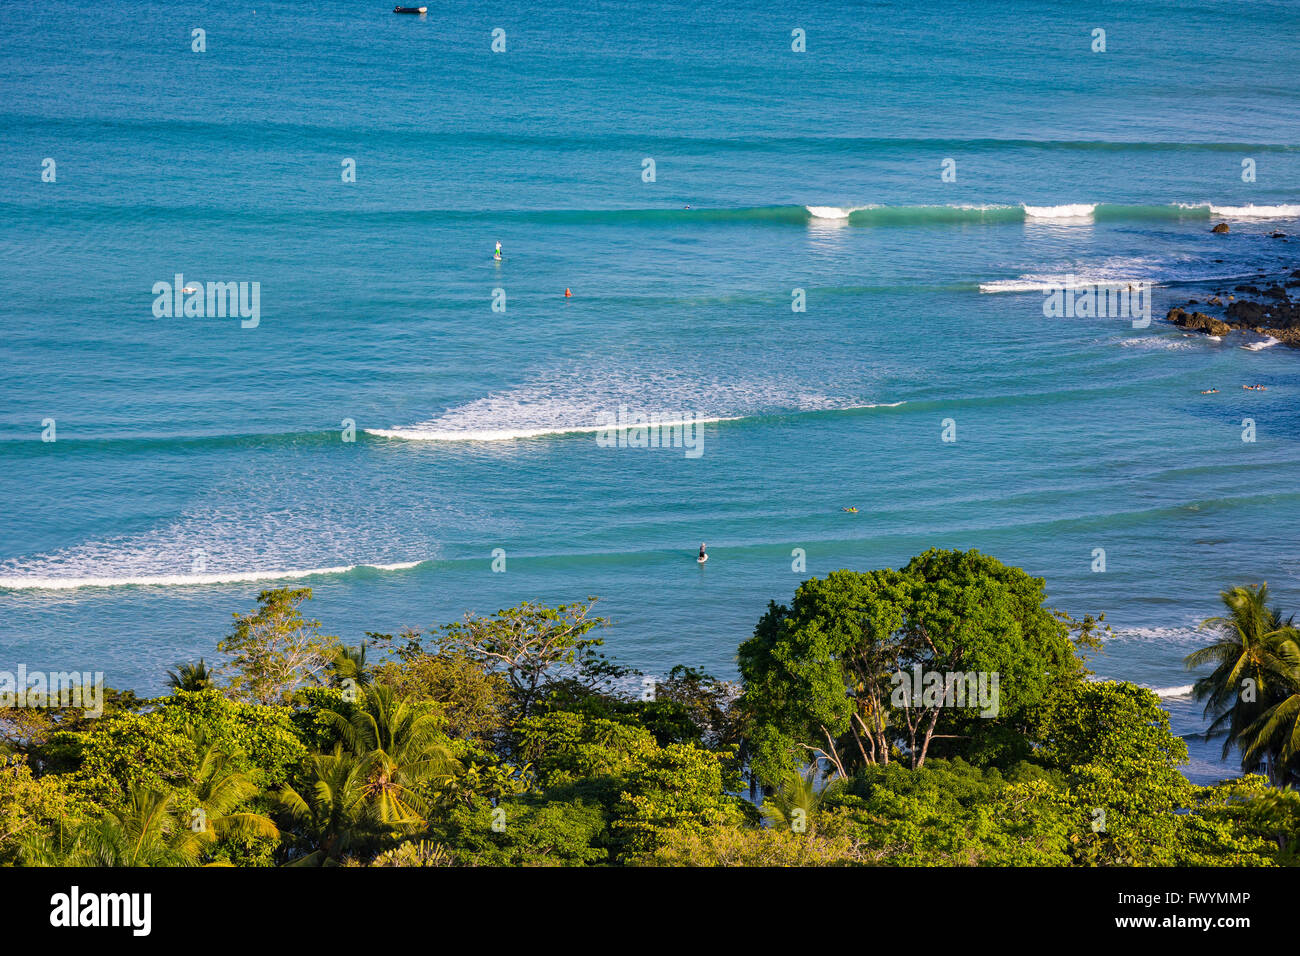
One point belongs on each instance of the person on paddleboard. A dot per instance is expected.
(703, 554)
(497, 254)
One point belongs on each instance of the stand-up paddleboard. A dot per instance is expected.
(703, 555)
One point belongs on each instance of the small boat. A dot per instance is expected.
(410, 9)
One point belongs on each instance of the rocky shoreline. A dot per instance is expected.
(1264, 306)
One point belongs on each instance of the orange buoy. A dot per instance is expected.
(568, 294)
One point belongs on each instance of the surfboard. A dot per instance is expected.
(701, 560)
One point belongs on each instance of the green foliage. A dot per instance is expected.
(528, 644)
(1256, 658)
(949, 813)
(502, 745)
(1113, 723)
(475, 701)
(31, 806)
(527, 831)
(275, 650)
(563, 747)
(819, 675)
(259, 739)
(675, 788)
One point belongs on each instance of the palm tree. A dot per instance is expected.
(330, 813)
(350, 662)
(157, 828)
(220, 789)
(794, 801)
(145, 831)
(400, 748)
(1276, 735)
(191, 677)
(1255, 644)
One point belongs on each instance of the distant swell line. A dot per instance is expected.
(263, 131)
(504, 432)
(858, 215)
(34, 583)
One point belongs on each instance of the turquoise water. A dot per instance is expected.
(198, 461)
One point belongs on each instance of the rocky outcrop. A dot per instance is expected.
(1198, 322)
(1221, 227)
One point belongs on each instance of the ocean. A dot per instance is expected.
(829, 259)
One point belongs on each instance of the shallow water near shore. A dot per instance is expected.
(197, 462)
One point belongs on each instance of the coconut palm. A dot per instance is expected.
(328, 810)
(400, 748)
(163, 828)
(191, 677)
(144, 831)
(1275, 736)
(350, 663)
(1254, 644)
(219, 790)
(793, 802)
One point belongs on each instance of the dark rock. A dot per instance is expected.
(1197, 322)
(1247, 288)
(1275, 292)
(1277, 235)
(1221, 227)
(1247, 313)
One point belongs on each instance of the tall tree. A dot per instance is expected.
(530, 645)
(830, 676)
(400, 748)
(275, 650)
(1254, 655)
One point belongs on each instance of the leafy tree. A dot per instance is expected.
(275, 650)
(821, 675)
(676, 788)
(531, 830)
(30, 806)
(564, 747)
(474, 700)
(529, 644)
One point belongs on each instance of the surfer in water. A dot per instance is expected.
(497, 255)
(704, 556)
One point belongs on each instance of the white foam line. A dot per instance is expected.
(833, 212)
(510, 434)
(175, 580)
(1268, 343)
(1256, 212)
(1056, 282)
(1071, 211)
